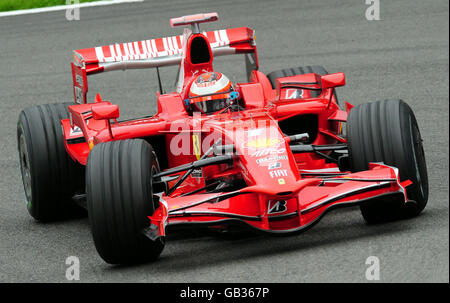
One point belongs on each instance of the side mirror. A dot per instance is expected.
(105, 111)
(333, 80)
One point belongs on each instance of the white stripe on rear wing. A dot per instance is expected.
(160, 51)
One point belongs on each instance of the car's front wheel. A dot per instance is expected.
(387, 131)
(120, 199)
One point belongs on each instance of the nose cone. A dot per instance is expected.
(266, 160)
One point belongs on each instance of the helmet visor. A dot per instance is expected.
(211, 104)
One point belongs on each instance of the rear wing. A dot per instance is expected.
(153, 53)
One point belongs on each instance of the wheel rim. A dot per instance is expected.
(25, 168)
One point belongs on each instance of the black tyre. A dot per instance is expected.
(273, 76)
(120, 199)
(50, 177)
(387, 131)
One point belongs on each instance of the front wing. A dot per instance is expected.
(293, 212)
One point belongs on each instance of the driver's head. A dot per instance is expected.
(210, 92)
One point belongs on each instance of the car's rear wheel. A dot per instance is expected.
(287, 72)
(50, 177)
(120, 199)
(387, 131)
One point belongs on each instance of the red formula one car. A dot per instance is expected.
(274, 153)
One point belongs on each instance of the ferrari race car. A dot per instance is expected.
(274, 153)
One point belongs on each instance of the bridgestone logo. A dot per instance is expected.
(277, 207)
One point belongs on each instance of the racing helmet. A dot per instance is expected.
(211, 92)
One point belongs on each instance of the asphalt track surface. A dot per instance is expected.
(404, 55)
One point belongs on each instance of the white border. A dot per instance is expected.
(63, 7)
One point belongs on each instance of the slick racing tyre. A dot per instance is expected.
(120, 199)
(387, 131)
(50, 177)
(273, 76)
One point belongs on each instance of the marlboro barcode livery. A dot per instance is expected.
(273, 152)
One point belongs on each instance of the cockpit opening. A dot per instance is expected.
(199, 51)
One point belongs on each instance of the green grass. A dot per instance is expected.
(12, 5)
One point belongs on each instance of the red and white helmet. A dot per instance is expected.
(210, 92)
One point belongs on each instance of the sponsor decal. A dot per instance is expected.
(75, 131)
(278, 173)
(276, 207)
(263, 143)
(274, 165)
(197, 173)
(293, 93)
(268, 152)
(267, 160)
(197, 145)
(206, 84)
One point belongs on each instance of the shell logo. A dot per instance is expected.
(196, 143)
(263, 142)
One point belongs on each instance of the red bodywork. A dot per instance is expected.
(280, 191)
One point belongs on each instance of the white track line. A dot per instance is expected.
(63, 7)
